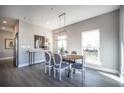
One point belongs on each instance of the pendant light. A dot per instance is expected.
(62, 23)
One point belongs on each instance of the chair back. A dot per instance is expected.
(49, 52)
(84, 57)
(57, 59)
(47, 57)
(66, 51)
(74, 52)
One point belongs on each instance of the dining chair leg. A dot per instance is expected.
(66, 71)
(71, 72)
(49, 71)
(83, 76)
(54, 73)
(59, 74)
(73, 69)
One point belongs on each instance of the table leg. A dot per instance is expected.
(29, 59)
(74, 69)
(69, 69)
(33, 58)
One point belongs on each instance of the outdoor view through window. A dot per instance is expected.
(61, 43)
(90, 44)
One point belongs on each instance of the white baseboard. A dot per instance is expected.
(103, 69)
(39, 61)
(5, 58)
(27, 64)
(23, 65)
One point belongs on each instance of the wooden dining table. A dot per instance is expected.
(71, 59)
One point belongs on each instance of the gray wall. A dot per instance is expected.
(4, 53)
(108, 24)
(26, 41)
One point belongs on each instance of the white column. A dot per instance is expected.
(121, 43)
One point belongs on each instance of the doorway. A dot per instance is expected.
(15, 49)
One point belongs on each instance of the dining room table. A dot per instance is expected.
(68, 58)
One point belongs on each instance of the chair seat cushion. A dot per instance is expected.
(63, 65)
(77, 66)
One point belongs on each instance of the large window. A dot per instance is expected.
(61, 43)
(91, 44)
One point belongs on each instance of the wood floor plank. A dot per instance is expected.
(34, 76)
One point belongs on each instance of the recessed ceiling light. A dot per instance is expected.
(4, 21)
(47, 23)
(3, 28)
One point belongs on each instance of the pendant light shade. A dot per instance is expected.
(62, 23)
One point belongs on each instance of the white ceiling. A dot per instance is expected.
(9, 25)
(47, 15)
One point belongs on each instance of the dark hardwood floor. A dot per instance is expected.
(34, 76)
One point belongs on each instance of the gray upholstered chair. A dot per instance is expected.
(66, 52)
(59, 65)
(48, 63)
(80, 67)
(74, 52)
